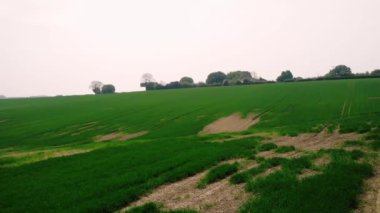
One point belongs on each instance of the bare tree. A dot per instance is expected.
(146, 79)
(96, 87)
(254, 75)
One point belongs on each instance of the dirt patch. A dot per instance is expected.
(48, 153)
(269, 171)
(119, 136)
(315, 141)
(369, 201)
(232, 123)
(265, 135)
(272, 154)
(23, 158)
(322, 161)
(217, 197)
(307, 173)
(70, 152)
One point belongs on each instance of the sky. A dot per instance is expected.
(57, 47)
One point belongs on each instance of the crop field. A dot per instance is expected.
(311, 147)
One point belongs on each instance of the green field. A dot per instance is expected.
(35, 134)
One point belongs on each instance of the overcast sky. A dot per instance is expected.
(52, 47)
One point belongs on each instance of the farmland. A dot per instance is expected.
(61, 154)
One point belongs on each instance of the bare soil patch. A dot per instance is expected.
(232, 123)
(220, 197)
(272, 154)
(369, 201)
(315, 141)
(269, 171)
(121, 136)
(49, 153)
(307, 173)
(35, 156)
(322, 161)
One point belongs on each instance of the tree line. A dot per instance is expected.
(245, 78)
(213, 79)
(233, 78)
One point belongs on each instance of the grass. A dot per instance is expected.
(336, 190)
(266, 147)
(242, 177)
(218, 173)
(285, 149)
(354, 143)
(116, 173)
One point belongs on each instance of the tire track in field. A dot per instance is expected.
(347, 105)
(270, 107)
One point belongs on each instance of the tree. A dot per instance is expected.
(238, 77)
(339, 71)
(108, 88)
(226, 83)
(376, 72)
(147, 79)
(96, 87)
(216, 78)
(285, 76)
(173, 85)
(186, 81)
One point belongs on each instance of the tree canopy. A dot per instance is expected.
(239, 76)
(285, 76)
(96, 87)
(376, 72)
(108, 88)
(216, 78)
(339, 71)
(147, 79)
(187, 81)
